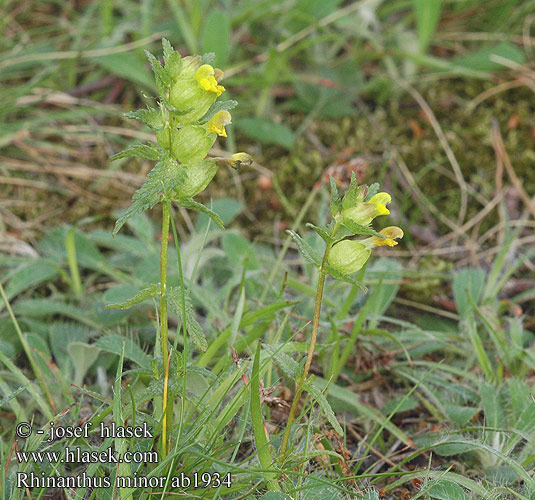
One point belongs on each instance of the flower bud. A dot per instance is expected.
(348, 256)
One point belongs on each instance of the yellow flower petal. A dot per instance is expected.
(206, 79)
(217, 123)
(382, 198)
(391, 233)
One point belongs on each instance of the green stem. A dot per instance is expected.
(167, 410)
(315, 326)
(184, 322)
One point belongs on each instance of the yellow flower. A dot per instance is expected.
(391, 233)
(206, 78)
(380, 200)
(364, 212)
(217, 123)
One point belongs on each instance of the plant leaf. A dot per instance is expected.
(343, 277)
(148, 151)
(150, 117)
(372, 191)
(352, 193)
(216, 107)
(308, 253)
(114, 344)
(267, 131)
(427, 17)
(162, 78)
(216, 36)
(192, 325)
(323, 232)
(262, 447)
(171, 58)
(141, 296)
(358, 229)
(164, 177)
(325, 406)
(194, 205)
(336, 202)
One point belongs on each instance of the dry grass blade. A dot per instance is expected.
(445, 145)
(499, 147)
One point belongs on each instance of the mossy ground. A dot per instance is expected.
(363, 142)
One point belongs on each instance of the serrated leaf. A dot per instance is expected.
(164, 177)
(162, 78)
(148, 151)
(352, 193)
(372, 191)
(308, 253)
(192, 325)
(358, 229)
(336, 202)
(141, 296)
(325, 406)
(114, 344)
(289, 366)
(193, 205)
(167, 49)
(343, 277)
(216, 107)
(150, 117)
(208, 57)
(323, 232)
(171, 58)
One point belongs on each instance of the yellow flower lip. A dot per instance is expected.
(206, 78)
(381, 209)
(380, 200)
(217, 123)
(391, 234)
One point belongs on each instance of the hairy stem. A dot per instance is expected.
(167, 410)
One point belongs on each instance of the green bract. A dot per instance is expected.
(187, 122)
(348, 256)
